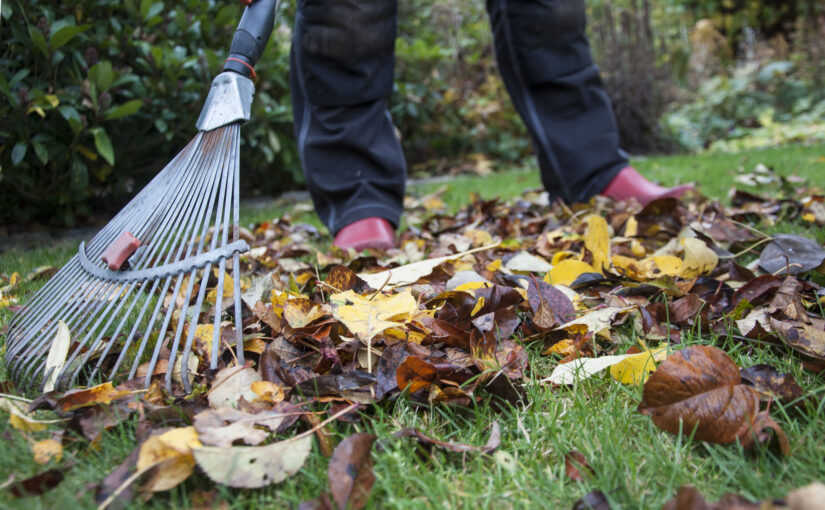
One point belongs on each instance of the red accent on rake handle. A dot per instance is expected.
(251, 69)
(121, 249)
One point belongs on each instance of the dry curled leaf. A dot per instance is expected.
(101, 394)
(169, 457)
(698, 390)
(251, 467)
(492, 443)
(225, 425)
(37, 484)
(350, 471)
(232, 383)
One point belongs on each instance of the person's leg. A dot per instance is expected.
(544, 59)
(341, 74)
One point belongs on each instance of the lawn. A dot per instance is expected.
(635, 464)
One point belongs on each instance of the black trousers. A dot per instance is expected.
(341, 75)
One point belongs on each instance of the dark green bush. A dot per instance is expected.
(99, 94)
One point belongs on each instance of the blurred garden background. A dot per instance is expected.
(97, 95)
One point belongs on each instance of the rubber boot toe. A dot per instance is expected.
(630, 183)
(366, 233)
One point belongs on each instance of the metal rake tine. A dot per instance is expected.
(78, 315)
(193, 325)
(225, 180)
(170, 367)
(49, 323)
(216, 333)
(224, 232)
(113, 336)
(236, 258)
(148, 332)
(162, 333)
(187, 235)
(132, 332)
(206, 215)
(112, 314)
(177, 176)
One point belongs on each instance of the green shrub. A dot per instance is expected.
(756, 101)
(99, 94)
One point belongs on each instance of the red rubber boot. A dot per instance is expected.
(630, 183)
(366, 233)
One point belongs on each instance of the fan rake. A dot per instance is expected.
(133, 297)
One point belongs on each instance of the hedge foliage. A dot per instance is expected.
(101, 93)
(97, 95)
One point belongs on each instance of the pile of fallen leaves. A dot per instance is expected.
(606, 289)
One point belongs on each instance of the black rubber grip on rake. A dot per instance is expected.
(251, 37)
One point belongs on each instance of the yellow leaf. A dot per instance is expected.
(597, 241)
(563, 348)
(470, 286)
(46, 450)
(228, 289)
(300, 312)
(631, 227)
(668, 265)
(809, 217)
(53, 100)
(561, 255)
(479, 237)
(268, 391)
(479, 305)
(635, 369)
(629, 266)
(637, 248)
(37, 110)
(171, 454)
(23, 423)
(279, 300)
(91, 156)
(366, 318)
(566, 272)
(494, 266)
(698, 259)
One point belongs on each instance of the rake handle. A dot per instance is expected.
(251, 37)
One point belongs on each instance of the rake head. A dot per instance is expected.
(144, 321)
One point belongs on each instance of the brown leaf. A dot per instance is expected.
(415, 374)
(100, 394)
(350, 472)
(757, 290)
(808, 339)
(699, 390)
(688, 498)
(767, 379)
(549, 305)
(92, 421)
(689, 310)
(388, 364)
(335, 384)
(37, 484)
(574, 464)
(492, 443)
(595, 500)
(791, 253)
(341, 278)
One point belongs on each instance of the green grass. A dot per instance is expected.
(635, 464)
